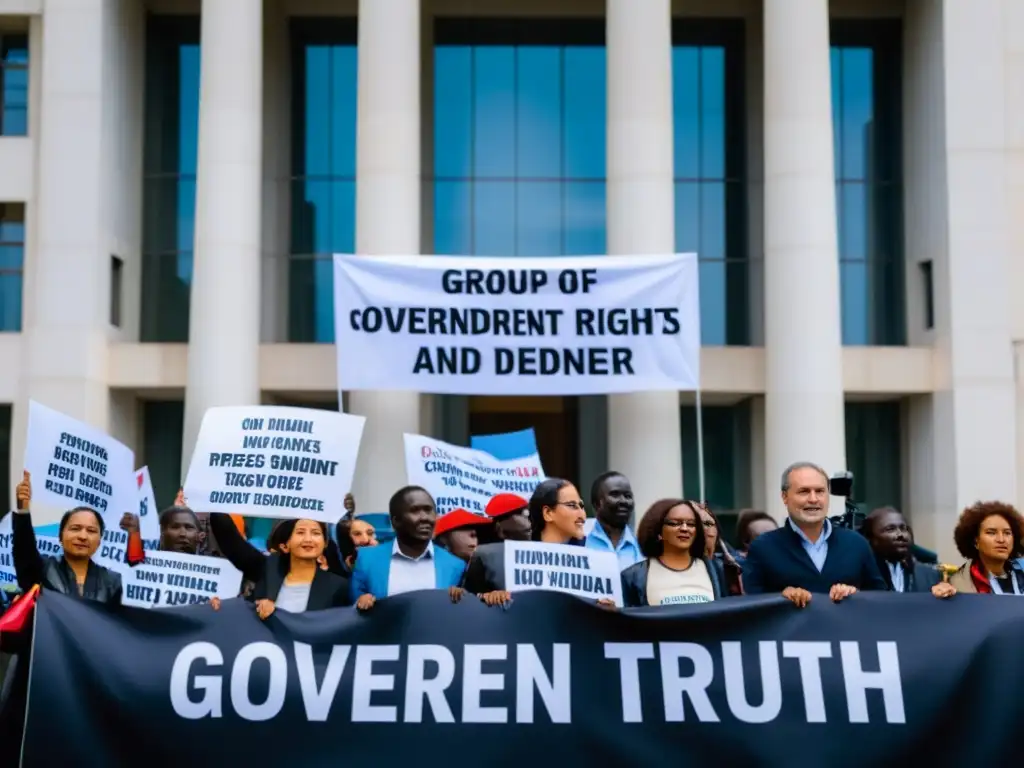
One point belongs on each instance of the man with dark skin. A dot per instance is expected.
(412, 562)
(612, 498)
(892, 540)
(457, 532)
(179, 529)
(511, 517)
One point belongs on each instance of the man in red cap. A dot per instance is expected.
(511, 517)
(456, 532)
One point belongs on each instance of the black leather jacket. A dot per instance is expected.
(101, 584)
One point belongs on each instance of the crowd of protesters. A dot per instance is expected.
(676, 555)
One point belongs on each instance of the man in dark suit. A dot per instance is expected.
(891, 539)
(807, 554)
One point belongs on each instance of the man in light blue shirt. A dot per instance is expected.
(816, 550)
(612, 497)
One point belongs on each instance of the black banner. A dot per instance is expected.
(879, 680)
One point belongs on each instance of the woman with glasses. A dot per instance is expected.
(557, 516)
(676, 570)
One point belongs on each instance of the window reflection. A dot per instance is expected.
(519, 137)
(13, 84)
(710, 189)
(169, 179)
(866, 106)
(323, 195)
(12, 260)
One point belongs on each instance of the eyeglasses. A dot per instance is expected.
(574, 505)
(710, 524)
(690, 524)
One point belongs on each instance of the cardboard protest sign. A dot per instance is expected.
(74, 464)
(462, 477)
(47, 545)
(562, 568)
(171, 579)
(274, 461)
(148, 511)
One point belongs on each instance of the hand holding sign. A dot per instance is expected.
(23, 491)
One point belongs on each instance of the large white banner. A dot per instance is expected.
(523, 326)
(464, 477)
(274, 461)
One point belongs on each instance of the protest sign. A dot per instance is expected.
(171, 579)
(576, 571)
(525, 326)
(274, 461)
(506, 445)
(462, 477)
(149, 512)
(879, 680)
(73, 464)
(46, 545)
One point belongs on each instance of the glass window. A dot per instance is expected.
(12, 259)
(866, 118)
(519, 137)
(323, 170)
(708, 104)
(169, 175)
(874, 454)
(726, 430)
(13, 85)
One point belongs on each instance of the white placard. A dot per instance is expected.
(46, 545)
(73, 464)
(464, 477)
(173, 579)
(149, 512)
(575, 325)
(274, 461)
(577, 571)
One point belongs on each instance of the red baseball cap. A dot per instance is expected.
(505, 504)
(458, 518)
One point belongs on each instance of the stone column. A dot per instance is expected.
(643, 429)
(387, 213)
(804, 418)
(225, 312)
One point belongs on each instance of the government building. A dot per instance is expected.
(175, 176)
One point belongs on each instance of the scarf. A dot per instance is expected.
(980, 578)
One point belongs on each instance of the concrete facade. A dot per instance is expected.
(79, 174)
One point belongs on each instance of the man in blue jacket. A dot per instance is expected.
(807, 554)
(412, 562)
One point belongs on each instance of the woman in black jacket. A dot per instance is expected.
(557, 516)
(73, 573)
(676, 572)
(291, 577)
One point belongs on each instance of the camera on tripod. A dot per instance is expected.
(841, 484)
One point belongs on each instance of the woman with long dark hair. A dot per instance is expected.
(557, 516)
(676, 570)
(74, 572)
(291, 577)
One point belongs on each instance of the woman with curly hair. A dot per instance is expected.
(989, 535)
(676, 570)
